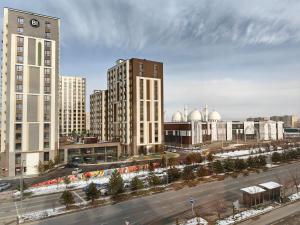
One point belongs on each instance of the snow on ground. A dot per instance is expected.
(41, 214)
(244, 154)
(294, 197)
(243, 215)
(50, 189)
(195, 221)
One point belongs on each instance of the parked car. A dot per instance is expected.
(76, 171)
(103, 188)
(4, 186)
(71, 165)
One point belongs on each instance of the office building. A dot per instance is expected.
(98, 114)
(88, 122)
(72, 98)
(30, 67)
(289, 121)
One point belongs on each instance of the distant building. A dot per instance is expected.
(98, 114)
(204, 126)
(258, 119)
(288, 120)
(291, 133)
(30, 66)
(87, 121)
(72, 98)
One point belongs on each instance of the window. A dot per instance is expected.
(20, 20)
(155, 70)
(47, 89)
(19, 59)
(20, 30)
(47, 80)
(48, 35)
(19, 106)
(20, 40)
(47, 53)
(18, 158)
(46, 126)
(48, 44)
(19, 97)
(19, 77)
(20, 49)
(47, 71)
(48, 25)
(46, 98)
(46, 154)
(18, 126)
(19, 117)
(19, 87)
(19, 67)
(47, 62)
(46, 135)
(155, 90)
(18, 136)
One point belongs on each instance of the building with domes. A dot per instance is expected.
(202, 126)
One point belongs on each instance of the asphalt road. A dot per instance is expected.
(160, 208)
(277, 216)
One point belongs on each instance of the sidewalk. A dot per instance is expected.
(274, 215)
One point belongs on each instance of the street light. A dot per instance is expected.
(21, 190)
(192, 201)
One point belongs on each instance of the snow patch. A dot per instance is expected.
(195, 221)
(294, 197)
(243, 215)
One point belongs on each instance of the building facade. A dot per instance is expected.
(30, 67)
(135, 105)
(98, 114)
(72, 100)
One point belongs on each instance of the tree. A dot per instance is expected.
(210, 157)
(172, 161)
(189, 159)
(154, 180)
(136, 184)
(51, 164)
(116, 183)
(151, 167)
(240, 164)
(67, 181)
(173, 174)
(262, 160)
(202, 171)
(228, 165)
(56, 159)
(41, 168)
(218, 167)
(198, 158)
(67, 199)
(92, 193)
(295, 178)
(188, 173)
(220, 207)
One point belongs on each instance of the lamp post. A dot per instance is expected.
(192, 202)
(21, 190)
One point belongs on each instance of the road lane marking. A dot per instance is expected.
(78, 196)
(17, 210)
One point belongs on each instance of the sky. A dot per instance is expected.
(241, 58)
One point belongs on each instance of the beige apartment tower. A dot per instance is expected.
(135, 105)
(72, 100)
(30, 68)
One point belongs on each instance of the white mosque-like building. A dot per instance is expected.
(194, 127)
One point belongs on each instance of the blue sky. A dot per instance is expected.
(242, 58)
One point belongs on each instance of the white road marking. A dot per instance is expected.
(17, 210)
(75, 193)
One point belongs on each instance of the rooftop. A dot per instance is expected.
(270, 185)
(253, 190)
(31, 13)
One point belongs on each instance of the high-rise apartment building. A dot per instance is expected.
(72, 98)
(98, 114)
(289, 121)
(135, 105)
(30, 67)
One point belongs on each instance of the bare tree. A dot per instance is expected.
(295, 178)
(285, 186)
(220, 206)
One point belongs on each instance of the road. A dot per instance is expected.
(156, 209)
(275, 216)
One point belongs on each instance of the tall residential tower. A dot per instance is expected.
(135, 105)
(30, 67)
(72, 97)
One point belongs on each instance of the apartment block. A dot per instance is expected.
(135, 105)
(72, 104)
(98, 114)
(30, 67)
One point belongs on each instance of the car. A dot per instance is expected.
(71, 165)
(76, 171)
(103, 188)
(4, 186)
(127, 185)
